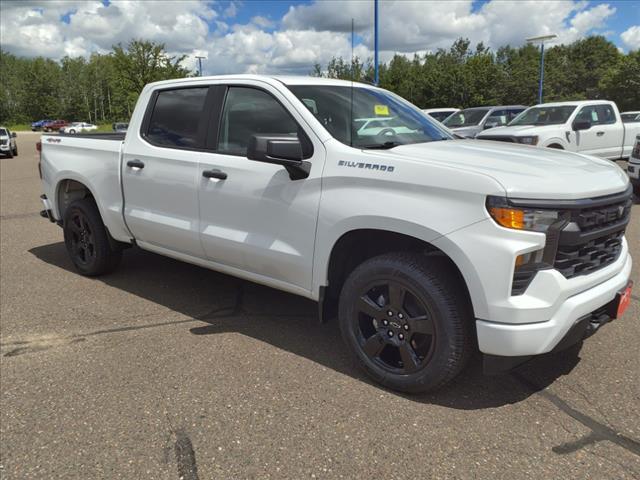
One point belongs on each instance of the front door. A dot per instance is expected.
(257, 219)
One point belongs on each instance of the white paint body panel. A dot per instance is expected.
(260, 225)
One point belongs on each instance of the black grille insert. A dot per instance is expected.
(574, 260)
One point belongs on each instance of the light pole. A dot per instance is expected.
(376, 79)
(200, 65)
(541, 39)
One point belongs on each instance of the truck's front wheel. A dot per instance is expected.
(407, 321)
(87, 239)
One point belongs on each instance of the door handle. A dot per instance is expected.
(215, 173)
(135, 164)
(599, 134)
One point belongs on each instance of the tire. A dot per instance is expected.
(87, 239)
(10, 153)
(72, 131)
(15, 152)
(419, 340)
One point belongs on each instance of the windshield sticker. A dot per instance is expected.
(382, 110)
(367, 166)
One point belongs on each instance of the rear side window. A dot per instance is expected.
(176, 120)
(606, 115)
(248, 111)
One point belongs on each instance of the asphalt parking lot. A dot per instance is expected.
(166, 370)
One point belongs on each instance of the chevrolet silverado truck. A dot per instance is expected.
(593, 127)
(423, 247)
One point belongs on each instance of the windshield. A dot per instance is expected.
(466, 118)
(376, 119)
(544, 115)
(3, 132)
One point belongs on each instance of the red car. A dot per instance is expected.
(54, 125)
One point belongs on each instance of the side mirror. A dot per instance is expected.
(13, 134)
(581, 125)
(280, 150)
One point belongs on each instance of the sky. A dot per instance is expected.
(289, 37)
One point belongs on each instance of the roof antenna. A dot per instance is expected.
(351, 106)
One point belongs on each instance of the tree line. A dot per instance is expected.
(463, 76)
(105, 87)
(102, 88)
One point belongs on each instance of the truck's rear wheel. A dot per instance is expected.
(407, 321)
(87, 239)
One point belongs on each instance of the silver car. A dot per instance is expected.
(471, 121)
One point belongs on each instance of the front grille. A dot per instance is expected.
(498, 138)
(574, 260)
(598, 217)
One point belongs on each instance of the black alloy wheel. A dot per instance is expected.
(408, 320)
(394, 328)
(82, 242)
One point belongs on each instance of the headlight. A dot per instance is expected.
(532, 140)
(519, 218)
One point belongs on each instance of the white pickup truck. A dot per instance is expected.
(425, 247)
(593, 127)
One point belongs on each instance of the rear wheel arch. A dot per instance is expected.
(68, 191)
(356, 246)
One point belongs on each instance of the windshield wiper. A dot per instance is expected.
(381, 146)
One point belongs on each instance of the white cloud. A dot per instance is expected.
(307, 33)
(631, 37)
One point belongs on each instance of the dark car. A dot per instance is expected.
(35, 126)
(54, 125)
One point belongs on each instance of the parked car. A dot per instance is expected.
(633, 166)
(8, 146)
(423, 246)
(630, 117)
(78, 127)
(36, 126)
(120, 127)
(54, 125)
(380, 126)
(471, 121)
(593, 127)
(440, 114)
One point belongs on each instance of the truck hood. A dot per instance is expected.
(523, 171)
(522, 130)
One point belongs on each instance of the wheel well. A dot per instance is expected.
(556, 145)
(68, 192)
(357, 246)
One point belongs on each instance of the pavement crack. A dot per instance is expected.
(12, 216)
(599, 431)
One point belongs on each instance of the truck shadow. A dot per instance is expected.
(226, 304)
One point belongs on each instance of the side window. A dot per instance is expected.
(589, 114)
(498, 117)
(606, 114)
(176, 117)
(249, 111)
(514, 113)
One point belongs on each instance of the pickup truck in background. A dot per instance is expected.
(593, 127)
(8, 145)
(471, 121)
(54, 125)
(425, 247)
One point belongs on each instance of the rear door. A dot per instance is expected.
(257, 219)
(160, 171)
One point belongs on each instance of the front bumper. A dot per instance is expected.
(526, 339)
